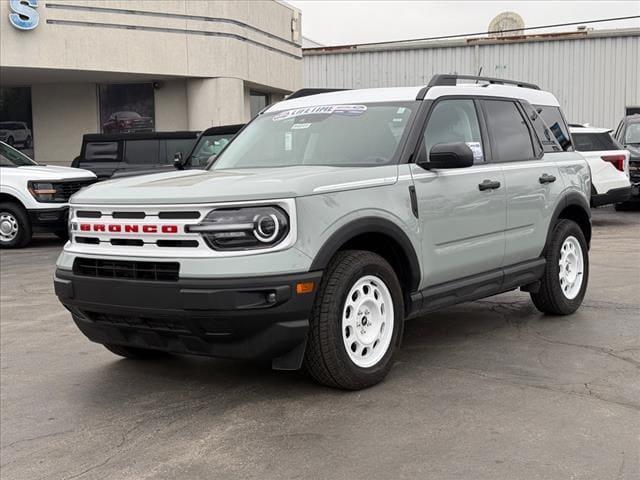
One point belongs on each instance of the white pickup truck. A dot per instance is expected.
(34, 198)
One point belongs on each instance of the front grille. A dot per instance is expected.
(64, 190)
(149, 271)
(141, 322)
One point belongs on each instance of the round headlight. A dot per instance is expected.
(266, 228)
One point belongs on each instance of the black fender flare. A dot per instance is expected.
(369, 225)
(570, 199)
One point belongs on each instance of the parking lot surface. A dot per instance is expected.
(484, 390)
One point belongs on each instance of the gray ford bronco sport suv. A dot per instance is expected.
(330, 220)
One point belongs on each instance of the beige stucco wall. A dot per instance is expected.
(62, 113)
(171, 106)
(106, 36)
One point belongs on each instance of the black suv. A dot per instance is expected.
(628, 134)
(138, 153)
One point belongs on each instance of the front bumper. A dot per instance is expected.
(244, 318)
(49, 219)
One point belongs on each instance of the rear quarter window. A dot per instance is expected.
(101, 151)
(553, 117)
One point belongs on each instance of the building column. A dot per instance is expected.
(215, 101)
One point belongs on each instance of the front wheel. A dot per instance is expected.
(356, 322)
(564, 282)
(15, 229)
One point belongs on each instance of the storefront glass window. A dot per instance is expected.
(126, 108)
(16, 125)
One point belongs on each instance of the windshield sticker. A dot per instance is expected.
(299, 126)
(347, 110)
(401, 110)
(476, 148)
(288, 141)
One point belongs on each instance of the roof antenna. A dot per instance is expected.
(479, 73)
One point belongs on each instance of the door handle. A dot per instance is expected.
(489, 185)
(545, 178)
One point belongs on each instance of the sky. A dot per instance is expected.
(340, 22)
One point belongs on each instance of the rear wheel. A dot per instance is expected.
(564, 282)
(15, 228)
(356, 322)
(135, 352)
(10, 141)
(27, 142)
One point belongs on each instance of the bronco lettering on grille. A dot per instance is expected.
(127, 228)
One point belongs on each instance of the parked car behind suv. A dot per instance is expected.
(328, 221)
(609, 164)
(106, 154)
(14, 133)
(628, 134)
(33, 198)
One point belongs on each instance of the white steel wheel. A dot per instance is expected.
(9, 227)
(367, 321)
(571, 265)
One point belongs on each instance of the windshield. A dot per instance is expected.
(10, 157)
(331, 135)
(208, 146)
(632, 135)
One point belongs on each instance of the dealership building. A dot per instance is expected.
(70, 67)
(595, 74)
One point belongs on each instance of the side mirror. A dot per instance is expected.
(448, 155)
(177, 161)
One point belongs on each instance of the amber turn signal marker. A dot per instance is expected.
(304, 287)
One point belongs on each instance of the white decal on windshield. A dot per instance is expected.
(347, 110)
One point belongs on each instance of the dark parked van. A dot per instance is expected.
(106, 154)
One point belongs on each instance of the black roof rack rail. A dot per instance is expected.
(305, 92)
(450, 80)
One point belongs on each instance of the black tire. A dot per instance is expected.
(23, 235)
(27, 142)
(326, 357)
(550, 298)
(10, 141)
(135, 353)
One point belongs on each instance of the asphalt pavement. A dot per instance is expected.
(484, 390)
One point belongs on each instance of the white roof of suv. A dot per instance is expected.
(406, 94)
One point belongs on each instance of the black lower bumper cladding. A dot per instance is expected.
(49, 219)
(248, 318)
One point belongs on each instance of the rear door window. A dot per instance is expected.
(594, 142)
(101, 151)
(510, 134)
(142, 152)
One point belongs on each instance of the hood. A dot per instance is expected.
(211, 186)
(47, 172)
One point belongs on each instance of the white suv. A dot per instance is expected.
(608, 161)
(14, 133)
